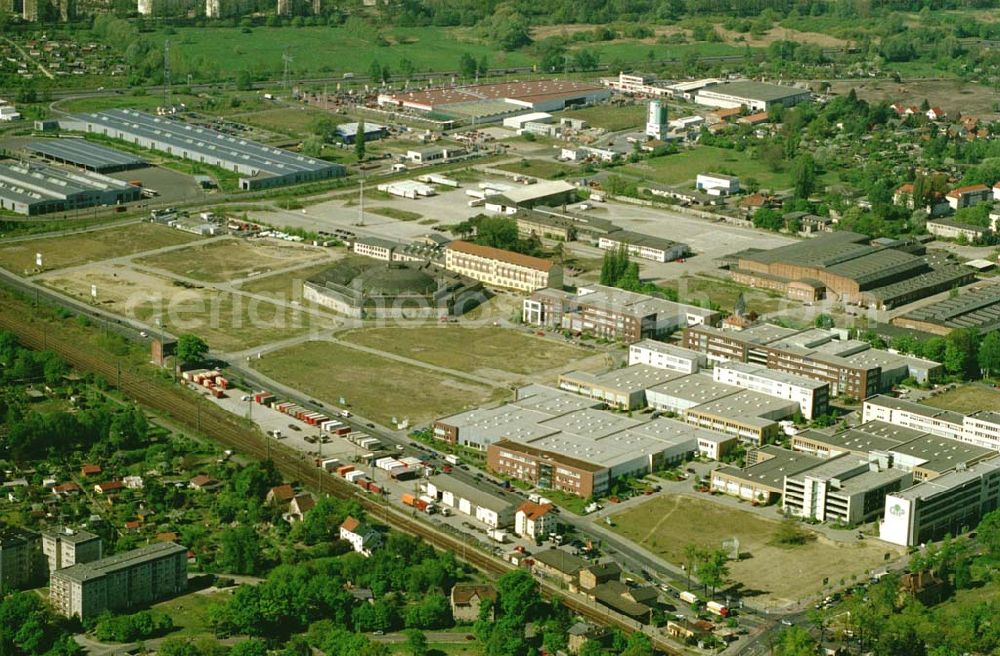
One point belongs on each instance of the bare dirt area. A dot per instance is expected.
(73, 249)
(227, 321)
(780, 34)
(228, 259)
(767, 572)
(953, 96)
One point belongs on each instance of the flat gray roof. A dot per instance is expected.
(761, 371)
(947, 482)
(629, 379)
(495, 502)
(772, 471)
(76, 536)
(268, 161)
(85, 154)
(85, 571)
(916, 408)
(696, 388)
(748, 407)
(756, 90)
(35, 182)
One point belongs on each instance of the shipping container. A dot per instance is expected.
(374, 489)
(331, 464)
(408, 499)
(343, 431)
(344, 470)
(353, 476)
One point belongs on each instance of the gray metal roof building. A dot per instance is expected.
(977, 308)
(261, 166)
(85, 154)
(28, 188)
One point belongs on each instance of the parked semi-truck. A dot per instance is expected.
(689, 597)
(451, 459)
(716, 608)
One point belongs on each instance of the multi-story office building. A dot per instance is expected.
(624, 389)
(844, 489)
(612, 313)
(813, 396)
(500, 268)
(120, 582)
(948, 504)
(20, 558)
(666, 356)
(981, 428)
(751, 416)
(65, 547)
(819, 354)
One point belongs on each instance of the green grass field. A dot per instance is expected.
(395, 213)
(374, 387)
(610, 117)
(540, 168)
(294, 121)
(481, 349)
(967, 399)
(724, 293)
(223, 260)
(685, 166)
(225, 51)
(665, 524)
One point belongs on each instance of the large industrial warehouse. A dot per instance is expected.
(32, 189)
(844, 265)
(85, 155)
(978, 307)
(261, 166)
(492, 102)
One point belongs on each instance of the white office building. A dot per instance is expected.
(813, 396)
(948, 504)
(981, 428)
(844, 489)
(666, 356)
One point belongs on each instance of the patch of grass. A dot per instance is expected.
(190, 612)
(295, 121)
(374, 387)
(684, 166)
(479, 349)
(75, 249)
(966, 398)
(286, 285)
(127, 101)
(610, 118)
(570, 502)
(723, 293)
(665, 524)
(395, 213)
(539, 168)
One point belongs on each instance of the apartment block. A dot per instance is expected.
(20, 559)
(121, 582)
(812, 396)
(611, 313)
(500, 268)
(65, 547)
(666, 356)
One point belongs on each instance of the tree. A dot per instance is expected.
(359, 141)
(790, 532)
(989, 353)
(804, 175)
(988, 533)
(795, 641)
(244, 81)
(375, 72)
(933, 348)
(416, 642)
(824, 321)
(241, 552)
(638, 644)
(467, 66)
(961, 352)
(191, 348)
(251, 647)
(692, 556)
(713, 570)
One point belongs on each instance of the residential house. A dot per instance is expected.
(204, 483)
(109, 487)
(684, 629)
(362, 537)
(69, 489)
(968, 196)
(598, 573)
(280, 495)
(534, 521)
(935, 114)
(299, 506)
(133, 482)
(467, 600)
(90, 470)
(581, 633)
(635, 602)
(559, 564)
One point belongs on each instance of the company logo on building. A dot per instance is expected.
(897, 511)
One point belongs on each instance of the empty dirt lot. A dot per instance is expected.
(767, 573)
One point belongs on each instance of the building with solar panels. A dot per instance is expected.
(977, 307)
(85, 154)
(30, 189)
(260, 166)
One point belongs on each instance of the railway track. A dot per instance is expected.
(204, 417)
